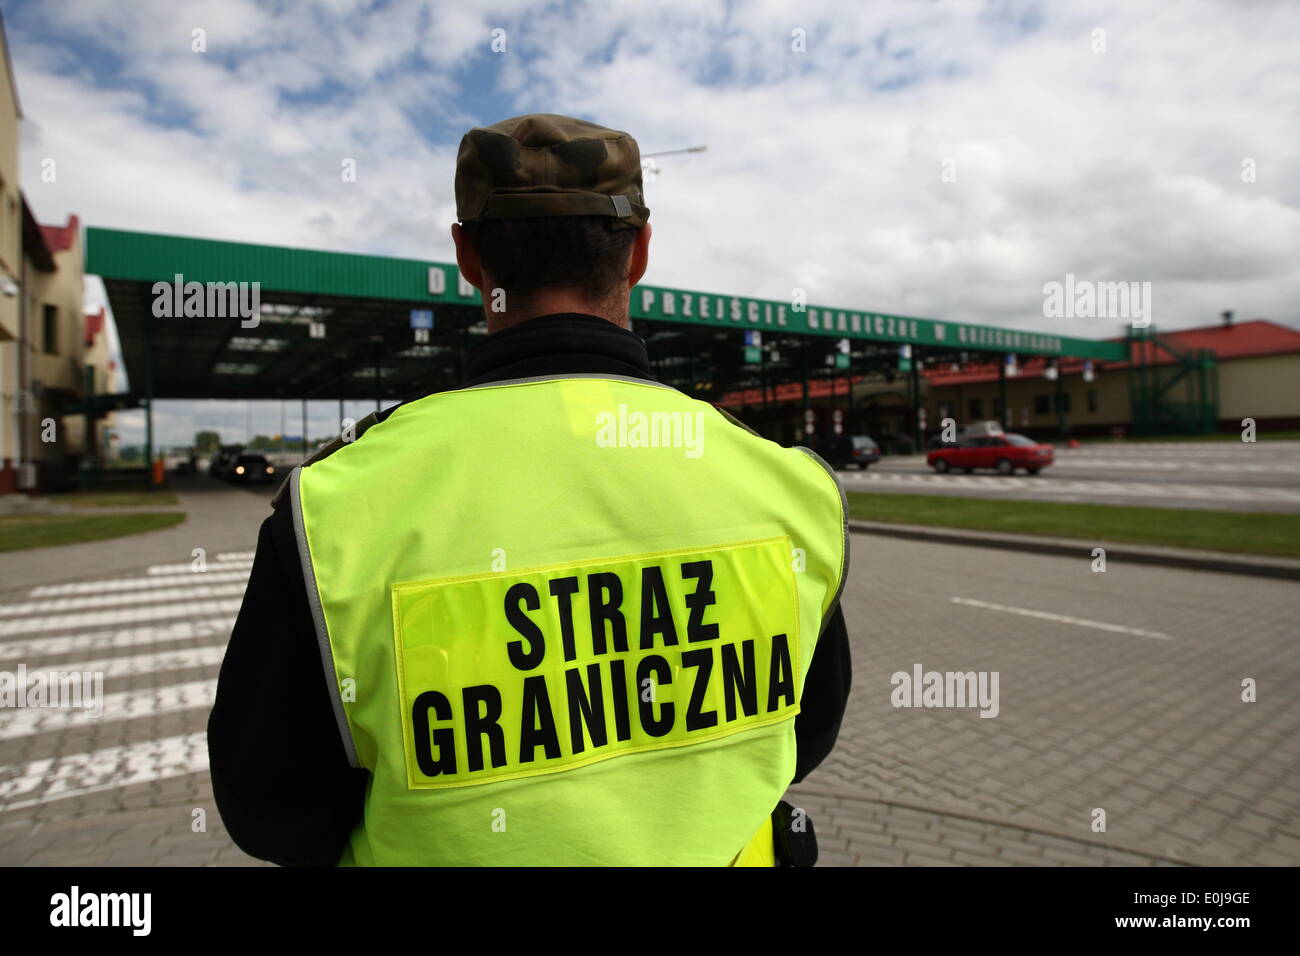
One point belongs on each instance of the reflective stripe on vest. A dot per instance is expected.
(567, 620)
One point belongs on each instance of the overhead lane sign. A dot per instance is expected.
(702, 308)
(117, 254)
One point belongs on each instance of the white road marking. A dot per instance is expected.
(139, 584)
(137, 665)
(1061, 618)
(1079, 486)
(20, 722)
(188, 567)
(92, 619)
(101, 641)
(1173, 464)
(54, 778)
(193, 590)
(1234, 450)
(108, 618)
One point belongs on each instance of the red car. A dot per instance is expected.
(1003, 453)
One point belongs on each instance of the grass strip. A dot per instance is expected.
(1242, 532)
(21, 532)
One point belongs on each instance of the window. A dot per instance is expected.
(976, 408)
(1041, 405)
(50, 328)
(1092, 399)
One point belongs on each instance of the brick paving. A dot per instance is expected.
(1150, 729)
(1153, 731)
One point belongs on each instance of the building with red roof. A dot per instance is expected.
(43, 339)
(92, 435)
(61, 238)
(1254, 373)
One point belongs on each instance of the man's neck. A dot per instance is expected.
(553, 303)
(565, 343)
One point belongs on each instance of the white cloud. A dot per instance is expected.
(823, 168)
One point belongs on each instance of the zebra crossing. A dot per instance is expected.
(71, 775)
(153, 640)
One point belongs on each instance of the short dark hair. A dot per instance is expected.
(524, 255)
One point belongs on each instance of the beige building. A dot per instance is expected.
(11, 268)
(93, 438)
(42, 328)
(56, 344)
(1264, 387)
(1255, 375)
(44, 364)
(1086, 406)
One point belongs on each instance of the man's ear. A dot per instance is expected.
(640, 256)
(466, 257)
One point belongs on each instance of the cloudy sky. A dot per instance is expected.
(930, 159)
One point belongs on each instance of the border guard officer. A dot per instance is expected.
(561, 614)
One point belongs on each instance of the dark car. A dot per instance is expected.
(853, 450)
(222, 459)
(1003, 453)
(250, 468)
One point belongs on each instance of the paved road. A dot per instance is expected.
(1262, 476)
(1118, 691)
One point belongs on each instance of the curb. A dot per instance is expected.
(1213, 561)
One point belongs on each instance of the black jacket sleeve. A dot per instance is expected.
(280, 776)
(825, 694)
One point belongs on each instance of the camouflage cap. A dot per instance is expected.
(544, 164)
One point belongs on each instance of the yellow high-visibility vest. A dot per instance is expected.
(567, 620)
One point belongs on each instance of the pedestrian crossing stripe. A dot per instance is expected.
(77, 628)
(109, 768)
